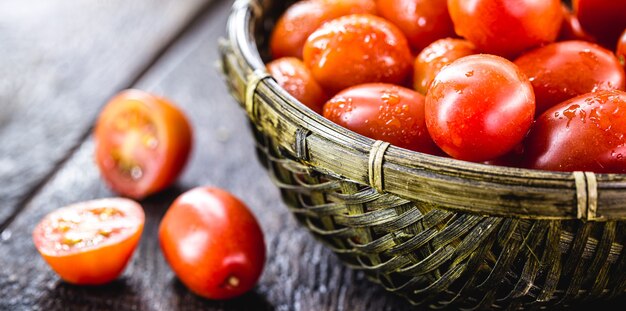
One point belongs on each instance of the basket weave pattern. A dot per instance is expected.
(437, 231)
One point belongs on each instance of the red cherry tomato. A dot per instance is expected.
(586, 133)
(297, 80)
(302, 18)
(357, 49)
(621, 49)
(504, 27)
(213, 243)
(564, 70)
(142, 143)
(479, 107)
(571, 29)
(385, 112)
(434, 57)
(422, 21)
(603, 19)
(91, 242)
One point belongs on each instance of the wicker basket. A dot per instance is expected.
(438, 231)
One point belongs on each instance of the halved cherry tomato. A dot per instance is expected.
(213, 243)
(504, 27)
(603, 19)
(422, 21)
(142, 143)
(563, 70)
(479, 107)
(302, 18)
(586, 133)
(621, 49)
(383, 111)
(90, 242)
(357, 49)
(434, 57)
(297, 80)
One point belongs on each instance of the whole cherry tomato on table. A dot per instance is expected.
(563, 70)
(213, 243)
(357, 49)
(479, 107)
(504, 27)
(434, 57)
(90, 242)
(586, 133)
(603, 19)
(142, 143)
(422, 21)
(303, 17)
(385, 112)
(292, 75)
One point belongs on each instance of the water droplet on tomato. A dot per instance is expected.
(136, 172)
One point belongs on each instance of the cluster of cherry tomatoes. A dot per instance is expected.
(209, 237)
(532, 84)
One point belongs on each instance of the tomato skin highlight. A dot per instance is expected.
(479, 107)
(213, 243)
(621, 50)
(357, 49)
(385, 112)
(571, 29)
(564, 70)
(603, 19)
(521, 25)
(106, 251)
(292, 75)
(422, 21)
(143, 143)
(434, 57)
(586, 133)
(304, 17)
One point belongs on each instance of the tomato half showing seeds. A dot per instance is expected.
(563, 70)
(292, 75)
(504, 27)
(586, 133)
(357, 49)
(479, 107)
(90, 242)
(422, 21)
(383, 111)
(303, 17)
(213, 243)
(142, 143)
(434, 57)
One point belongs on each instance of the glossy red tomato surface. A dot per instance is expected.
(586, 133)
(422, 21)
(434, 57)
(292, 75)
(213, 243)
(142, 143)
(571, 29)
(563, 70)
(505, 27)
(603, 19)
(357, 49)
(303, 17)
(479, 107)
(384, 112)
(90, 243)
(621, 49)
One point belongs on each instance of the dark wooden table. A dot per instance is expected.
(60, 61)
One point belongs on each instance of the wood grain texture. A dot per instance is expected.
(60, 62)
(300, 273)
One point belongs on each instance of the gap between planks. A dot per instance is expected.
(187, 27)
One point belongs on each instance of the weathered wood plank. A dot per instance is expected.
(60, 61)
(300, 273)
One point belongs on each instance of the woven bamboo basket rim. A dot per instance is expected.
(451, 184)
